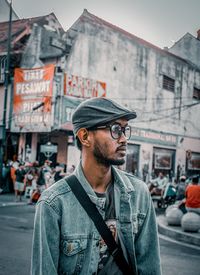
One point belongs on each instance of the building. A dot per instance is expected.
(159, 84)
(37, 53)
(96, 58)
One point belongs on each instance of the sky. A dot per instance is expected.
(160, 22)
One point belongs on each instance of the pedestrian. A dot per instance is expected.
(19, 183)
(157, 185)
(66, 238)
(13, 167)
(192, 196)
(181, 186)
(59, 173)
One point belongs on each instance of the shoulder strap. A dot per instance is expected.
(101, 226)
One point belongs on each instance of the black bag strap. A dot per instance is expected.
(101, 226)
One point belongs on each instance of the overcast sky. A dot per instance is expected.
(160, 22)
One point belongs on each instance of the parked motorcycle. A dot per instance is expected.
(169, 196)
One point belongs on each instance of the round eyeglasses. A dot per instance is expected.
(116, 130)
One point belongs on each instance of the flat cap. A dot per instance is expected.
(99, 111)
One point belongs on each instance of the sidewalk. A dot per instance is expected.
(8, 199)
(176, 232)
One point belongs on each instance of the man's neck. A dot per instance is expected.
(97, 175)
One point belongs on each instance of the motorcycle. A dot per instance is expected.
(169, 196)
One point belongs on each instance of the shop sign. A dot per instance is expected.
(152, 136)
(32, 99)
(48, 148)
(78, 86)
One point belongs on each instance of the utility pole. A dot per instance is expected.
(7, 80)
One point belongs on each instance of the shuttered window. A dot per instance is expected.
(168, 83)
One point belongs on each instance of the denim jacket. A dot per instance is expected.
(65, 240)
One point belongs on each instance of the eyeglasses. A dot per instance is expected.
(116, 130)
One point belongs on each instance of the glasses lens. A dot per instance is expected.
(117, 130)
(128, 132)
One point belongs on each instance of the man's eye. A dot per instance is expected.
(116, 128)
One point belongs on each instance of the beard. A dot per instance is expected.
(102, 158)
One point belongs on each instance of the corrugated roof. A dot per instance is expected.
(21, 28)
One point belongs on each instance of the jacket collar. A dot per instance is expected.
(120, 179)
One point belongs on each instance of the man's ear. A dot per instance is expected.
(83, 136)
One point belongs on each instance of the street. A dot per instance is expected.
(15, 239)
(16, 234)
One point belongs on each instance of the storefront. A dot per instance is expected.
(150, 152)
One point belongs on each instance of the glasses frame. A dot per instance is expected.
(123, 130)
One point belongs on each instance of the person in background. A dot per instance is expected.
(13, 167)
(158, 185)
(192, 196)
(65, 240)
(19, 183)
(59, 173)
(181, 186)
(48, 173)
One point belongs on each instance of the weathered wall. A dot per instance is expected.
(133, 73)
(188, 47)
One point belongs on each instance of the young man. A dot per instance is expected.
(66, 240)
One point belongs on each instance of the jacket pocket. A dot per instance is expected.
(72, 247)
(73, 251)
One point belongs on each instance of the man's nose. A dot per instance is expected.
(122, 138)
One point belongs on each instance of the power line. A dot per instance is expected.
(153, 98)
(182, 107)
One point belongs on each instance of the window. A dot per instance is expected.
(132, 159)
(168, 83)
(196, 93)
(193, 161)
(163, 161)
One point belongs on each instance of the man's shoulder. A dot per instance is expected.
(60, 188)
(132, 180)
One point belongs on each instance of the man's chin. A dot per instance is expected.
(117, 161)
(108, 162)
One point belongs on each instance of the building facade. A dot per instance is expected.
(156, 83)
(95, 58)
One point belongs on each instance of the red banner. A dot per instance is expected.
(32, 98)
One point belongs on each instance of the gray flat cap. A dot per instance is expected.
(99, 111)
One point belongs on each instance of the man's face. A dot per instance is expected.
(109, 151)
